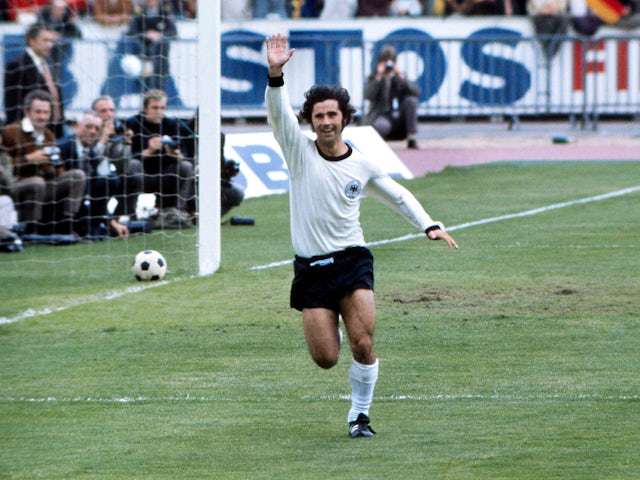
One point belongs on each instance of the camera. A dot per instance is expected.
(230, 168)
(54, 155)
(388, 66)
(118, 128)
(167, 140)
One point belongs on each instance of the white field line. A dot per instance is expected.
(315, 398)
(527, 213)
(119, 293)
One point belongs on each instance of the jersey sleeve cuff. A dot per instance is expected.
(276, 81)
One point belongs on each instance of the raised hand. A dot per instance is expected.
(277, 53)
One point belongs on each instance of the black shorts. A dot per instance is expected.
(321, 282)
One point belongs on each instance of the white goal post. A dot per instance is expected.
(209, 104)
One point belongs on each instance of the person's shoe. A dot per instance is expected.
(412, 144)
(360, 427)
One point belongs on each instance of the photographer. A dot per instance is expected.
(115, 144)
(41, 176)
(231, 192)
(393, 100)
(157, 143)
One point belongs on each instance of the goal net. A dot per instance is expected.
(157, 169)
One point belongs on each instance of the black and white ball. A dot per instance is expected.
(149, 265)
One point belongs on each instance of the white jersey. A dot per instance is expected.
(325, 193)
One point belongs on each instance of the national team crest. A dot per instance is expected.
(353, 189)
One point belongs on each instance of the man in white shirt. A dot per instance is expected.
(333, 268)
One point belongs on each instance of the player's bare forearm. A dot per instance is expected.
(439, 234)
(277, 53)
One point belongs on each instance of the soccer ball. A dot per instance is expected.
(149, 265)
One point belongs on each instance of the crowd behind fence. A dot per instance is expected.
(485, 74)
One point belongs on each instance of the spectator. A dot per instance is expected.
(59, 17)
(184, 8)
(550, 20)
(115, 144)
(406, 8)
(6, 171)
(155, 142)
(41, 176)
(584, 20)
(273, 9)
(235, 10)
(475, 7)
(28, 8)
(5, 11)
(338, 9)
(306, 8)
(112, 12)
(153, 29)
(630, 18)
(32, 71)
(393, 107)
(78, 151)
(373, 8)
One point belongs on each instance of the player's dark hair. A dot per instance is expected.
(320, 93)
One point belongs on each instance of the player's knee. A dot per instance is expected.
(325, 360)
(362, 348)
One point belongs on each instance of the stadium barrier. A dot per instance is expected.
(492, 67)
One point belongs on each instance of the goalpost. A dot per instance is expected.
(208, 85)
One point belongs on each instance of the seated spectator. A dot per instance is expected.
(272, 9)
(393, 107)
(406, 8)
(550, 19)
(78, 151)
(112, 12)
(47, 196)
(115, 144)
(338, 9)
(153, 29)
(6, 171)
(32, 71)
(373, 8)
(156, 142)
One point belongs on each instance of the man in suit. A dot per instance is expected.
(31, 71)
(42, 179)
(79, 151)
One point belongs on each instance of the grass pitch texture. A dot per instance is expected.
(515, 357)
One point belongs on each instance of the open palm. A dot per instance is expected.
(277, 53)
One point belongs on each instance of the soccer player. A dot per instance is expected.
(333, 270)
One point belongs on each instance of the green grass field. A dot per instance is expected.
(515, 357)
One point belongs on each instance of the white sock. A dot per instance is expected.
(363, 380)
